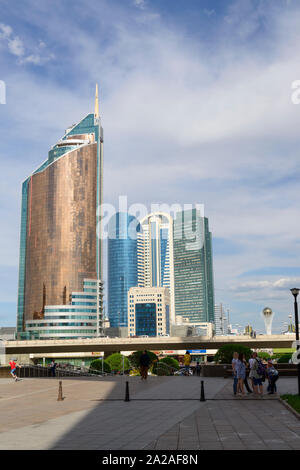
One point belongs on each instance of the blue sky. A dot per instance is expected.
(196, 108)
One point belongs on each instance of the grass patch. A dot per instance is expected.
(283, 350)
(292, 400)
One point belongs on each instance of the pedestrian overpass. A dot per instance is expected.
(152, 343)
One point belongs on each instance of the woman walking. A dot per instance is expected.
(241, 374)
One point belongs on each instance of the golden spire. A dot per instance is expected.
(96, 103)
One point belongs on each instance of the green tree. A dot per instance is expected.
(97, 365)
(165, 366)
(264, 355)
(225, 353)
(115, 362)
(134, 358)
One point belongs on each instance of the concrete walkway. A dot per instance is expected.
(164, 413)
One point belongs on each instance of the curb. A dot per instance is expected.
(289, 407)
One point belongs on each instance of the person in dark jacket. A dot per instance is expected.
(144, 365)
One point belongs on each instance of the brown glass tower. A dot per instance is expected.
(59, 242)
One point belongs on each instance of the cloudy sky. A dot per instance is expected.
(196, 105)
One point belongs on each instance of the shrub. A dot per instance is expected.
(284, 359)
(170, 361)
(165, 366)
(97, 365)
(134, 358)
(115, 362)
(264, 355)
(225, 353)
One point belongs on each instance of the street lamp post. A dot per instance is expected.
(295, 293)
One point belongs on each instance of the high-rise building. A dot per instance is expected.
(155, 254)
(221, 321)
(148, 311)
(122, 265)
(193, 270)
(59, 245)
(78, 318)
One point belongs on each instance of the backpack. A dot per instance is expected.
(261, 370)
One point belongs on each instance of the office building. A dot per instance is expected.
(78, 318)
(221, 321)
(148, 311)
(155, 254)
(122, 266)
(193, 270)
(59, 245)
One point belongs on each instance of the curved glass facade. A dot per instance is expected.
(59, 246)
(122, 265)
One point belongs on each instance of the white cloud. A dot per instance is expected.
(16, 46)
(5, 31)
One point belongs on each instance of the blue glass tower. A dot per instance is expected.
(122, 265)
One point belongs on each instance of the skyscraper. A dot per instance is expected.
(155, 254)
(59, 245)
(193, 270)
(122, 265)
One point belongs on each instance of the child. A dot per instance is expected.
(272, 374)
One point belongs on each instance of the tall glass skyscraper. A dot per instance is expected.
(193, 269)
(122, 265)
(155, 254)
(59, 245)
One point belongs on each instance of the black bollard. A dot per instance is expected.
(202, 396)
(127, 392)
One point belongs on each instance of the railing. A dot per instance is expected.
(32, 370)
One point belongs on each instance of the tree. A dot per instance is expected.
(115, 362)
(264, 355)
(225, 353)
(134, 358)
(97, 365)
(165, 366)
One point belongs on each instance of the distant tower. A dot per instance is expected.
(268, 316)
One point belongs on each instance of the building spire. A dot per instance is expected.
(96, 103)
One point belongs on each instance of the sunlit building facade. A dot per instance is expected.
(148, 311)
(59, 243)
(193, 268)
(155, 254)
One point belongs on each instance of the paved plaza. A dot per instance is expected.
(164, 413)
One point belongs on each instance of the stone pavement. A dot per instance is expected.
(158, 417)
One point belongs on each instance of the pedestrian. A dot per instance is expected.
(245, 380)
(186, 361)
(257, 375)
(233, 364)
(53, 367)
(272, 375)
(198, 369)
(13, 368)
(240, 373)
(144, 365)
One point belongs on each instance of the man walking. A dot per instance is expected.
(144, 365)
(186, 361)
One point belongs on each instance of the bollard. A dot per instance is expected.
(127, 392)
(202, 396)
(60, 395)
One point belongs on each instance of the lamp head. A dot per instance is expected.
(295, 292)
